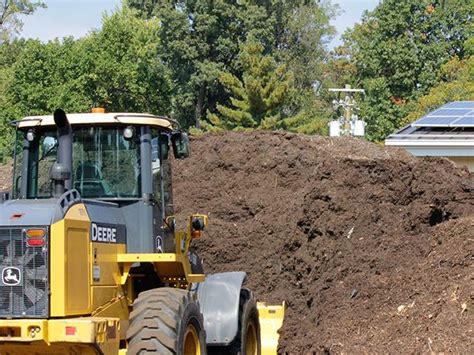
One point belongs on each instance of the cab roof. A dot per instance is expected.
(100, 118)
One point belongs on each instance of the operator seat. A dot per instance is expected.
(88, 180)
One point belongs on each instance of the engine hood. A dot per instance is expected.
(29, 212)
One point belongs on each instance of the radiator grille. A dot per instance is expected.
(23, 276)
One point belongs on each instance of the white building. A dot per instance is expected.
(446, 132)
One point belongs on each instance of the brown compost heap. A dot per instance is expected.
(371, 249)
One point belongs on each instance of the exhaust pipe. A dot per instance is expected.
(61, 172)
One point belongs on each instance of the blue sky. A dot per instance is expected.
(351, 12)
(66, 18)
(77, 17)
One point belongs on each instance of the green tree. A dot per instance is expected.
(9, 52)
(116, 67)
(48, 76)
(42, 78)
(10, 25)
(456, 84)
(10, 12)
(312, 115)
(202, 38)
(302, 34)
(123, 72)
(303, 30)
(258, 99)
(399, 49)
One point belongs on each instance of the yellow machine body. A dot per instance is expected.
(87, 335)
(271, 319)
(89, 314)
(90, 317)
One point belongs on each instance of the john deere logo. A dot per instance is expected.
(11, 276)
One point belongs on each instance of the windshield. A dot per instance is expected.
(105, 164)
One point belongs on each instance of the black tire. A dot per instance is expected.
(247, 340)
(166, 321)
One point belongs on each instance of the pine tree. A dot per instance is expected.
(256, 100)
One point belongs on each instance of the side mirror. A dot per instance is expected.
(197, 223)
(170, 221)
(180, 143)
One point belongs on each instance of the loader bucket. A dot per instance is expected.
(271, 320)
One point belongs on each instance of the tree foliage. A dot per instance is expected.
(115, 67)
(305, 32)
(47, 76)
(228, 64)
(202, 38)
(302, 37)
(121, 67)
(9, 52)
(456, 84)
(399, 49)
(257, 100)
(10, 12)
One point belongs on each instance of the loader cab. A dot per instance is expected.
(120, 159)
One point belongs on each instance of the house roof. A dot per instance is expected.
(446, 131)
(453, 114)
(450, 125)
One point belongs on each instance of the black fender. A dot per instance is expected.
(219, 297)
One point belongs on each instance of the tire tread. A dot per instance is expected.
(154, 322)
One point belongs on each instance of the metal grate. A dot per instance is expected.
(23, 276)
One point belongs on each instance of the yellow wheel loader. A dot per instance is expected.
(91, 261)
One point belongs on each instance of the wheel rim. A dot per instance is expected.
(192, 345)
(251, 340)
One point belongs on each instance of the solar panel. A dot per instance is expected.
(437, 121)
(450, 112)
(460, 104)
(453, 114)
(467, 121)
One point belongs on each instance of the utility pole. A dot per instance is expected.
(348, 124)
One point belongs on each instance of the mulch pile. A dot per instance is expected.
(371, 248)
